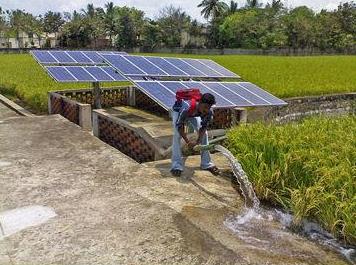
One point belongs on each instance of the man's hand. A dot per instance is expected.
(191, 144)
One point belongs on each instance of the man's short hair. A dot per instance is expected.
(208, 98)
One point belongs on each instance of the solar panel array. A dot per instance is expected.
(70, 57)
(149, 66)
(84, 74)
(227, 94)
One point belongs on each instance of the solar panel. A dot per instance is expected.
(84, 74)
(71, 57)
(227, 94)
(133, 65)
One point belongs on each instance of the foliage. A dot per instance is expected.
(308, 168)
(172, 22)
(52, 22)
(252, 25)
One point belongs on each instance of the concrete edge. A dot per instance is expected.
(12, 105)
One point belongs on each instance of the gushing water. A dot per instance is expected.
(253, 225)
(251, 200)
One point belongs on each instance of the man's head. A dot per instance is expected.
(206, 102)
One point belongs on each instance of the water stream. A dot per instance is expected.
(256, 225)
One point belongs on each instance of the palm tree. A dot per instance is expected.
(212, 8)
(90, 11)
(109, 20)
(233, 7)
(253, 4)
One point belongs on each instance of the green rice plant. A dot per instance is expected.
(309, 168)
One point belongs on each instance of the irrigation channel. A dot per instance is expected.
(255, 222)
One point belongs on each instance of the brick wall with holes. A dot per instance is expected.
(142, 101)
(110, 97)
(66, 108)
(125, 139)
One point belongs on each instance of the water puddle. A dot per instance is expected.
(13, 221)
(263, 228)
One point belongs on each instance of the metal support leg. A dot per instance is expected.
(97, 95)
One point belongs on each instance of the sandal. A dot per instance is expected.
(176, 172)
(213, 170)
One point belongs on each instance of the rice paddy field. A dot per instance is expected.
(23, 78)
(309, 168)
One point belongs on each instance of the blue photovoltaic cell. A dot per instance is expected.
(156, 91)
(145, 65)
(173, 86)
(44, 57)
(217, 67)
(60, 74)
(237, 88)
(164, 93)
(94, 56)
(225, 92)
(111, 71)
(80, 73)
(220, 101)
(124, 66)
(264, 94)
(62, 57)
(187, 68)
(166, 66)
(99, 73)
(79, 57)
(203, 68)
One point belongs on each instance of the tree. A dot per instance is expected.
(212, 8)
(173, 21)
(129, 23)
(253, 4)
(232, 8)
(300, 27)
(152, 36)
(109, 20)
(52, 22)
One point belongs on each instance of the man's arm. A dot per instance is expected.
(204, 126)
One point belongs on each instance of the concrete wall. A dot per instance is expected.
(302, 107)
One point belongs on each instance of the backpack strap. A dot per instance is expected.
(193, 105)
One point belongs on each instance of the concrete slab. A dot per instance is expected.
(111, 210)
(6, 113)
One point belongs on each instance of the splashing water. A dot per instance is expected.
(254, 224)
(251, 200)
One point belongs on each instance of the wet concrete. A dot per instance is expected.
(111, 210)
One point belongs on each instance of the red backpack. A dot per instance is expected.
(192, 94)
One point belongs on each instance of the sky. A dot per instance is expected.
(150, 7)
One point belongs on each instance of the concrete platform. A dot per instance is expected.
(159, 128)
(111, 210)
(6, 113)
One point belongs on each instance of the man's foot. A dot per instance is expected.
(213, 170)
(176, 172)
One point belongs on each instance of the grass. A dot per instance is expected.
(22, 77)
(308, 168)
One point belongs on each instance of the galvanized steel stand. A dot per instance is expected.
(97, 95)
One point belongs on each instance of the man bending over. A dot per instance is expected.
(198, 113)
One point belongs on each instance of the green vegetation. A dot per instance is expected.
(22, 77)
(306, 167)
(250, 25)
